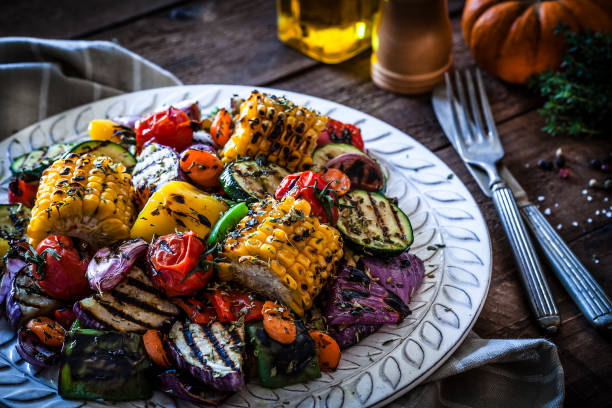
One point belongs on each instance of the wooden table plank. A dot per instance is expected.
(70, 18)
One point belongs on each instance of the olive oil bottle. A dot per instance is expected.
(330, 31)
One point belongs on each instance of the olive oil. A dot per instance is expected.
(329, 31)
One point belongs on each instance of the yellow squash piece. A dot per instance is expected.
(86, 197)
(104, 129)
(282, 252)
(178, 206)
(276, 129)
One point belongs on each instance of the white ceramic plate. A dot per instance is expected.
(450, 236)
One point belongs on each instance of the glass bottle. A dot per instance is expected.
(330, 31)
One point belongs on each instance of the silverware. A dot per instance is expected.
(479, 145)
(578, 282)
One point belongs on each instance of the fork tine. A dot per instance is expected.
(464, 107)
(459, 138)
(480, 134)
(486, 108)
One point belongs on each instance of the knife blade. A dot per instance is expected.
(590, 298)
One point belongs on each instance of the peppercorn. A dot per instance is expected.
(560, 162)
(545, 164)
(595, 164)
(565, 173)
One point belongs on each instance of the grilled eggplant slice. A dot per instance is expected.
(156, 166)
(134, 305)
(212, 353)
(14, 220)
(184, 387)
(374, 224)
(27, 300)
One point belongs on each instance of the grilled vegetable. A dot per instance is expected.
(134, 305)
(325, 153)
(14, 219)
(211, 353)
(328, 351)
(374, 224)
(170, 127)
(364, 173)
(196, 311)
(156, 166)
(338, 132)
(191, 108)
(340, 182)
(27, 300)
(183, 387)
(356, 298)
(49, 332)
(174, 264)
(278, 323)
(279, 364)
(282, 252)
(64, 316)
(221, 127)
(62, 274)
(85, 197)
(15, 260)
(251, 181)
(227, 223)
(346, 336)
(276, 129)
(111, 264)
(116, 152)
(200, 164)
(30, 347)
(33, 164)
(313, 188)
(154, 342)
(104, 365)
(178, 206)
(401, 275)
(22, 192)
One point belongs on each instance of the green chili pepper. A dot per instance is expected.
(226, 223)
(104, 365)
(279, 364)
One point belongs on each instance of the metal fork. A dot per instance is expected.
(482, 147)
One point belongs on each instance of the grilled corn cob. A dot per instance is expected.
(276, 129)
(86, 197)
(282, 252)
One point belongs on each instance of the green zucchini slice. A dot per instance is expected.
(107, 148)
(249, 181)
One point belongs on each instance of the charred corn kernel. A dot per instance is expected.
(104, 129)
(178, 206)
(297, 266)
(277, 129)
(86, 197)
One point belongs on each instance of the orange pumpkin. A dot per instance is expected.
(514, 39)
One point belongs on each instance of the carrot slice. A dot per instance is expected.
(221, 127)
(154, 344)
(329, 351)
(202, 167)
(278, 323)
(48, 331)
(340, 182)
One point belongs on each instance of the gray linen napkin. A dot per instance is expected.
(39, 78)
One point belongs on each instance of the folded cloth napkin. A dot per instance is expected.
(44, 77)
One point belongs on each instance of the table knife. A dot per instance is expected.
(590, 298)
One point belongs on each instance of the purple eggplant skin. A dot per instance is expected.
(32, 350)
(353, 334)
(191, 108)
(364, 173)
(128, 121)
(111, 264)
(86, 320)
(401, 274)
(27, 300)
(357, 299)
(185, 388)
(13, 265)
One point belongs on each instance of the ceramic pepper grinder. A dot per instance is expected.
(411, 45)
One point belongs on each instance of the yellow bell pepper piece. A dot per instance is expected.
(178, 206)
(103, 129)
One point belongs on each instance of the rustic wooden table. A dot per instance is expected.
(235, 42)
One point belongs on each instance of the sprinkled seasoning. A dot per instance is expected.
(547, 211)
(575, 223)
(559, 226)
(589, 198)
(584, 191)
(541, 198)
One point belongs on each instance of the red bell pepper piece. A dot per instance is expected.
(245, 304)
(338, 132)
(310, 186)
(65, 317)
(222, 304)
(196, 311)
(23, 192)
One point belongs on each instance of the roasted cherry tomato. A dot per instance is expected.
(171, 127)
(221, 128)
(201, 166)
(311, 187)
(338, 132)
(23, 192)
(64, 273)
(175, 264)
(340, 182)
(48, 331)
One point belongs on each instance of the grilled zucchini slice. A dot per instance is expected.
(14, 220)
(33, 164)
(250, 181)
(115, 151)
(325, 153)
(373, 224)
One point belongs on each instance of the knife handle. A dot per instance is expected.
(584, 290)
(534, 281)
